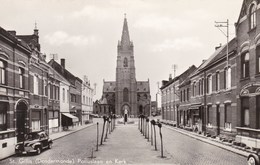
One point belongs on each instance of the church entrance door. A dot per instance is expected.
(125, 111)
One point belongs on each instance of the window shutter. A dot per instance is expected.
(228, 113)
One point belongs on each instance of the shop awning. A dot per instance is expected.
(74, 118)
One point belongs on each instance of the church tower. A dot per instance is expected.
(125, 92)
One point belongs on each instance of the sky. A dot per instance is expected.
(86, 33)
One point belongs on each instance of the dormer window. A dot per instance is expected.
(252, 14)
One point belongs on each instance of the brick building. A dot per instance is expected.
(14, 91)
(171, 95)
(248, 71)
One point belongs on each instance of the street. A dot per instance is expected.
(126, 145)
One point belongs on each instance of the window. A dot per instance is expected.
(3, 111)
(125, 95)
(194, 88)
(209, 84)
(57, 93)
(184, 95)
(209, 115)
(125, 62)
(199, 87)
(217, 81)
(202, 86)
(258, 60)
(228, 117)
(181, 96)
(73, 98)
(36, 85)
(63, 94)
(227, 78)
(45, 88)
(245, 65)
(2, 72)
(68, 96)
(245, 112)
(83, 99)
(21, 77)
(188, 97)
(252, 13)
(36, 125)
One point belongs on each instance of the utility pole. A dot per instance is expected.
(221, 25)
(174, 67)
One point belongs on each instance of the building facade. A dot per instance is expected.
(15, 57)
(87, 100)
(248, 71)
(126, 95)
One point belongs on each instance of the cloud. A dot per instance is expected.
(59, 38)
(158, 22)
(178, 44)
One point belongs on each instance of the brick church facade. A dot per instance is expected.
(126, 95)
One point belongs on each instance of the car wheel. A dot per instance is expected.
(253, 159)
(50, 145)
(38, 150)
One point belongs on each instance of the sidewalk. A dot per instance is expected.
(61, 134)
(215, 142)
(126, 145)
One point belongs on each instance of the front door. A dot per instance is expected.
(21, 113)
(218, 120)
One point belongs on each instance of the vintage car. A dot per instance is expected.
(34, 142)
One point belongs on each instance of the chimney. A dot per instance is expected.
(12, 32)
(62, 62)
(217, 47)
(170, 77)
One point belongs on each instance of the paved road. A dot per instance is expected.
(186, 150)
(74, 148)
(132, 147)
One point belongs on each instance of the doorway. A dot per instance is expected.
(125, 112)
(218, 119)
(21, 115)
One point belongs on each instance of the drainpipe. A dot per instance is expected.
(204, 128)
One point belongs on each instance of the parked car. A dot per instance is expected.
(34, 142)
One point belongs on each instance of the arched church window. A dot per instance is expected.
(125, 95)
(125, 62)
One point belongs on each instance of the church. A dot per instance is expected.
(126, 96)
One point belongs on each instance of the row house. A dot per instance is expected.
(74, 91)
(213, 93)
(14, 91)
(170, 95)
(224, 95)
(248, 77)
(87, 102)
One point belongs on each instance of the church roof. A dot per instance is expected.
(143, 86)
(109, 86)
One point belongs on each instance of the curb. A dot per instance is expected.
(89, 125)
(242, 153)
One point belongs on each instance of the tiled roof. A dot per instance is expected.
(143, 86)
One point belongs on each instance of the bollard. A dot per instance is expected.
(155, 146)
(160, 127)
(145, 133)
(109, 121)
(147, 121)
(114, 121)
(151, 133)
(104, 119)
(106, 128)
(97, 136)
(141, 124)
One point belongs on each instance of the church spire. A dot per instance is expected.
(125, 39)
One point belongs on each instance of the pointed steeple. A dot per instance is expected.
(125, 39)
